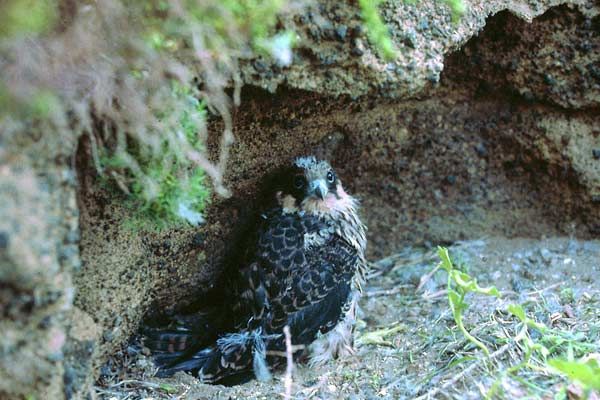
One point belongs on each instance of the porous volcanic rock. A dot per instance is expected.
(423, 33)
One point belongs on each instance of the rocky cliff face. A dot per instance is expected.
(489, 126)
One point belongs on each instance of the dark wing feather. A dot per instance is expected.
(302, 276)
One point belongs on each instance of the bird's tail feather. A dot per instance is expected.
(184, 333)
(168, 340)
(192, 364)
(232, 359)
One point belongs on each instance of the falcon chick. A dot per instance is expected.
(304, 270)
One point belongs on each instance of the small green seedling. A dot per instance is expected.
(585, 371)
(459, 285)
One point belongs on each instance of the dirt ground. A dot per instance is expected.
(408, 344)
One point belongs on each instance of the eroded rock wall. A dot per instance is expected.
(334, 56)
(39, 251)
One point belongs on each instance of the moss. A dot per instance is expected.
(165, 187)
(457, 7)
(20, 17)
(377, 31)
(166, 190)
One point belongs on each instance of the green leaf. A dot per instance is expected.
(457, 303)
(587, 373)
(168, 388)
(446, 263)
(517, 311)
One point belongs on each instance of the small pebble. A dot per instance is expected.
(260, 66)
(546, 255)
(549, 79)
(410, 39)
(340, 32)
(517, 284)
(106, 371)
(3, 240)
(481, 150)
(197, 239)
(108, 335)
(357, 52)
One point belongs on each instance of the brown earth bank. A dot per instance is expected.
(506, 143)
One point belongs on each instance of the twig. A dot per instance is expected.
(433, 392)
(427, 277)
(287, 380)
(150, 385)
(387, 292)
(295, 348)
(542, 290)
(434, 295)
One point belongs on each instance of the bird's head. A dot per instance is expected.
(313, 186)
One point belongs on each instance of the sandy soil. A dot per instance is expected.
(407, 342)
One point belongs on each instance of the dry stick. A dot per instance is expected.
(387, 292)
(427, 277)
(540, 291)
(464, 372)
(434, 295)
(295, 348)
(287, 380)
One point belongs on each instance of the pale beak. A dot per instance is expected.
(318, 188)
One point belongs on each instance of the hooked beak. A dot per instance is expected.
(318, 188)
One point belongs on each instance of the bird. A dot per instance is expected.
(303, 268)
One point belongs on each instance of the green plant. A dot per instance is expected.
(571, 351)
(458, 286)
(26, 16)
(457, 7)
(585, 371)
(165, 188)
(377, 31)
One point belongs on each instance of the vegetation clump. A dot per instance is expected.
(538, 350)
(123, 74)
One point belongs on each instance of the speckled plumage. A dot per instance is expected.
(305, 271)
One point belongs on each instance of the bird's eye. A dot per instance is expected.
(330, 177)
(299, 182)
